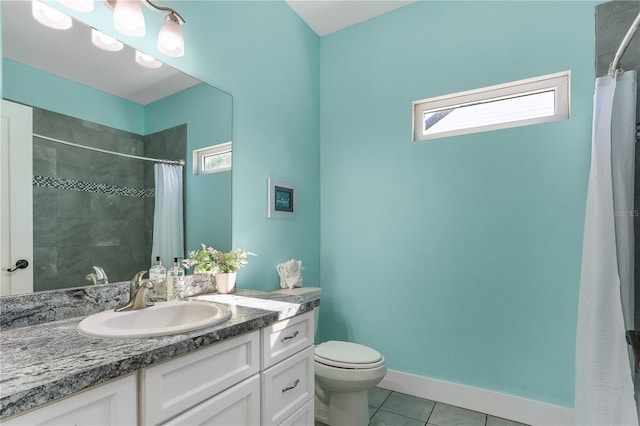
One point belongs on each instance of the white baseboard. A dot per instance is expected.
(497, 404)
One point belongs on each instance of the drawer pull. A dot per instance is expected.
(291, 387)
(293, 336)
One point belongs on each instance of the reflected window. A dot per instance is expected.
(213, 159)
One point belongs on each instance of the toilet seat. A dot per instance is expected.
(347, 355)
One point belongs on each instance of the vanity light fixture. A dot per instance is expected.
(170, 39)
(50, 17)
(129, 19)
(105, 42)
(147, 61)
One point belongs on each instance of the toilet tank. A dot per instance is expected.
(306, 292)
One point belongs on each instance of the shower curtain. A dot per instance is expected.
(604, 392)
(168, 224)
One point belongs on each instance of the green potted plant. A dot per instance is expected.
(215, 263)
(228, 264)
(202, 261)
(204, 269)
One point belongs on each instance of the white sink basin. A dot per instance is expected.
(162, 319)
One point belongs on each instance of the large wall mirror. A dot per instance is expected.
(92, 208)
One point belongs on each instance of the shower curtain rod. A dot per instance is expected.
(613, 68)
(155, 160)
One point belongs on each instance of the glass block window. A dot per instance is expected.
(213, 159)
(520, 103)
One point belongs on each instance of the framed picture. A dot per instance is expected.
(282, 199)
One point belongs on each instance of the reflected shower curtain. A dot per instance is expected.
(604, 393)
(168, 223)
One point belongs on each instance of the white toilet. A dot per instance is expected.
(344, 372)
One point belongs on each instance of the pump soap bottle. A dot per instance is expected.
(175, 281)
(158, 274)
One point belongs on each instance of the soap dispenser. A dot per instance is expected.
(175, 281)
(158, 274)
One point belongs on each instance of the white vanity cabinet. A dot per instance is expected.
(288, 378)
(207, 386)
(111, 404)
(262, 377)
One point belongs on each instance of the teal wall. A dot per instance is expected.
(208, 114)
(457, 258)
(268, 59)
(33, 87)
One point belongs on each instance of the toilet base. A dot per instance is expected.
(321, 412)
(344, 408)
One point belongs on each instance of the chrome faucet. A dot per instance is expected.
(137, 293)
(100, 277)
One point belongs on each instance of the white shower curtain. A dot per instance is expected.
(168, 224)
(604, 393)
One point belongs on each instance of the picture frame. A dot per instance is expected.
(281, 199)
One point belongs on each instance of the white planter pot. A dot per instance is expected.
(226, 283)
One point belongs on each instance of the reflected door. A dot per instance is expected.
(16, 204)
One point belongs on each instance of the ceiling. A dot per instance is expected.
(328, 16)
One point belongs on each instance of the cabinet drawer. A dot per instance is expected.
(303, 417)
(237, 406)
(284, 338)
(113, 403)
(287, 386)
(176, 385)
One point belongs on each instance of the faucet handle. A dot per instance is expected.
(137, 279)
(101, 275)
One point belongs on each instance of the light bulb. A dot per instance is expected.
(170, 39)
(50, 17)
(147, 61)
(105, 42)
(79, 5)
(128, 18)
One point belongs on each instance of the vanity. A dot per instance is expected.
(255, 368)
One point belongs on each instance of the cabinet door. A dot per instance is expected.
(112, 404)
(287, 386)
(238, 406)
(172, 387)
(303, 417)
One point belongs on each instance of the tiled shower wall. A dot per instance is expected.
(613, 19)
(89, 207)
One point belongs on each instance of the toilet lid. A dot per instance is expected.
(347, 355)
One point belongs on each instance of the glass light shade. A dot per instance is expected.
(105, 42)
(79, 5)
(128, 18)
(170, 39)
(147, 61)
(50, 17)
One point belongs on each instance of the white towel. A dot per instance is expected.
(290, 273)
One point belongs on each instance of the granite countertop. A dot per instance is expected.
(47, 361)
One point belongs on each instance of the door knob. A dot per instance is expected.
(633, 338)
(20, 264)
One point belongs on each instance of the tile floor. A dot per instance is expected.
(387, 408)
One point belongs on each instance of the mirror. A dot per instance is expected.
(93, 208)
